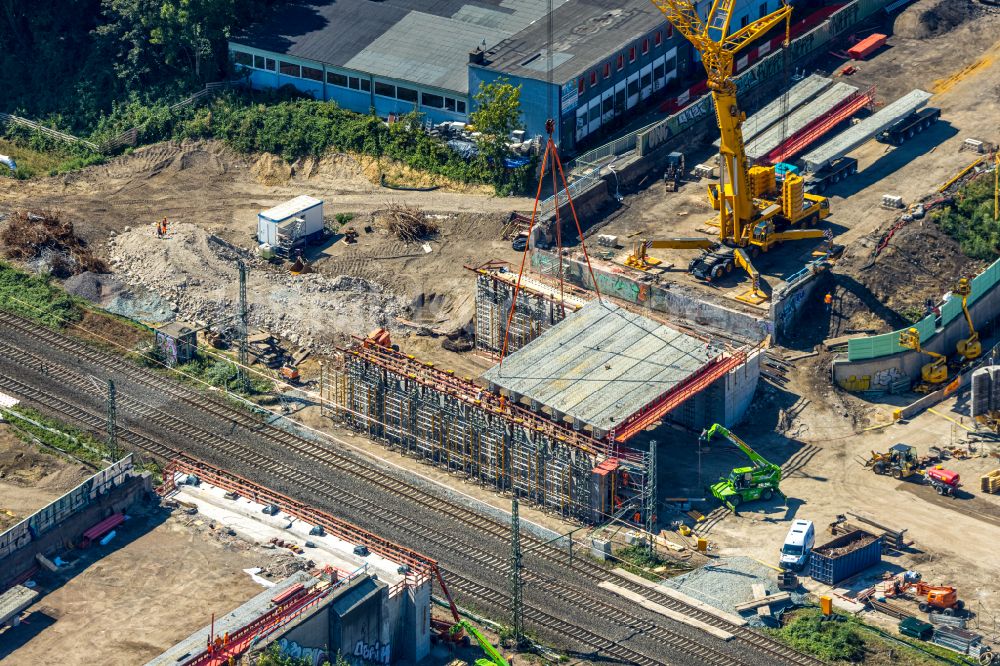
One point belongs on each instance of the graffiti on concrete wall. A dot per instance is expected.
(880, 380)
(314, 656)
(376, 652)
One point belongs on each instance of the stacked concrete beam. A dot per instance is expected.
(847, 141)
(798, 120)
(797, 95)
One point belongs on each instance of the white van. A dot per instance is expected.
(799, 542)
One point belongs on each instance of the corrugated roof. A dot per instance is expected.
(602, 364)
(584, 34)
(283, 211)
(423, 41)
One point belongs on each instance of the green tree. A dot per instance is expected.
(497, 114)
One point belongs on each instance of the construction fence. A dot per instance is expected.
(431, 414)
(886, 344)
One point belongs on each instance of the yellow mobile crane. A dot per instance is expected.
(750, 216)
(969, 348)
(934, 372)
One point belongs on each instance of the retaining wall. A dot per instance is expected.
(878, 373)
(70, 528)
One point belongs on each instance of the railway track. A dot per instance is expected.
(334, 459)
(416, 533)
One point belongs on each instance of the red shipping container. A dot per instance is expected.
(867, 46)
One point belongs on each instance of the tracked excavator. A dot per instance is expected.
(968, 348)
(754, 213)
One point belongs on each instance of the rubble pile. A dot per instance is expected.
(197, 276)
(48, 244)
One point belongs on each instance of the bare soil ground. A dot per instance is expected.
(30, 479)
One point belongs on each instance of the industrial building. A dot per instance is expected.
(608, 59)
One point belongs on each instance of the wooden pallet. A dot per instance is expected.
(990, 482)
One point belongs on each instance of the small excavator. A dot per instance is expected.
(968, 348)
(744, 484)
(935, 372)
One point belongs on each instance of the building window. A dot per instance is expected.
(593, 78)
(385, 89)
(580, 85)
(645, 46)
(242, 58)
(258, 62)
(631, 54)
(288, 69)
(407, 94)
(433, 101)
(335, 79)
(744, 20)
(621, 61)
(270, 64)
(449, 104)
(670, 31)
(312, 73)
(608, 105)
(671, 65)
(646, 80)
(461, 106)
(763, 9)
(595, 113)
(658, 71)
(607, 70)
(658, 38)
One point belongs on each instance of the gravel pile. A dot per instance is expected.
(727, 582)
(198, 279)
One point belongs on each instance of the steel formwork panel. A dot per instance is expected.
(467, 438)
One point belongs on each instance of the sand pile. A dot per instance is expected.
(198, 278)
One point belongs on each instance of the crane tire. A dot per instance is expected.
(948, 611)
(766, 494)
(923, 606)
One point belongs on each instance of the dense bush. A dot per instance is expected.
(830, 639)
(969, 220)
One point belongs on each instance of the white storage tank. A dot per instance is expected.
(291, 224)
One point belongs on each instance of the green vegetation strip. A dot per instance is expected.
(36, 298)
(845, 639)
(969, 219)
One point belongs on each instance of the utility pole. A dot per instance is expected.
(517, 620)
(244, 378)
(651, 495)
(112, 427)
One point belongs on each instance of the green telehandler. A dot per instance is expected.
(495, 658)
(744, 484)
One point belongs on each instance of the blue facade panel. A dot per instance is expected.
(534, 99)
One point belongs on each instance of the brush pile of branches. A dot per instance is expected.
(42, 238)
(406, 223)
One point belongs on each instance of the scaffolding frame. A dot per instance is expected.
(413, 407)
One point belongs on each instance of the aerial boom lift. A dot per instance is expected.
(969, 348)
(934, 372)
(744, 484)
(747, 217)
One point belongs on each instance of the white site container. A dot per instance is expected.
(294, 222)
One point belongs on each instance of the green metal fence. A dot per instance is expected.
(875, 346)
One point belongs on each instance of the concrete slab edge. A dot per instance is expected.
(680, 596)
(666, 612)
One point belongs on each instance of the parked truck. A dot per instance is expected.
(834, 172)
(908, 127)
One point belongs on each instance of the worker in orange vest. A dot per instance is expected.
(163, 227)
(828, 301)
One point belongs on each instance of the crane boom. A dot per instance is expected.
(717, 428)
